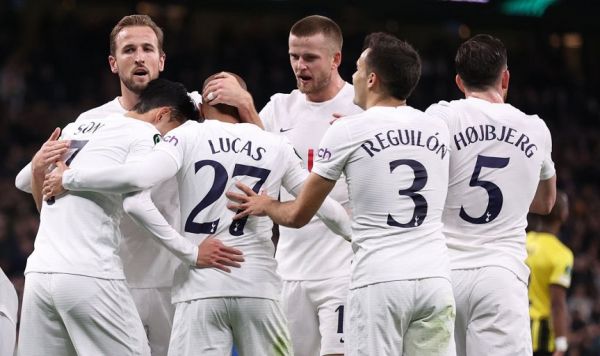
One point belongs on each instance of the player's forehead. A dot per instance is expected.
(136, 35)
(316, 44)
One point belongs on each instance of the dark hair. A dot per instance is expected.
(165, 93)
(135, 20)
(396, 63)
(224, 108)
(314, 24)
(480, 60)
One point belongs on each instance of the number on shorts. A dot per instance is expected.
(340, 326)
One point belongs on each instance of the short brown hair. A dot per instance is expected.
(135, 20)
(395, 62)
(314, 24)
(480, 61)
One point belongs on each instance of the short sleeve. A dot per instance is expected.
(294, 173)
(440, 110)
(562, 268)
(334, 150)
(173, 143)
(548, 170)
(267, 117)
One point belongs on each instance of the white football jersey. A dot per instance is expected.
(146, 263)
(312, 252)
(79, 231)
(395, 160)
(210, 158)
(499, 154)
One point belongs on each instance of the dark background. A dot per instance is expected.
(53, 66)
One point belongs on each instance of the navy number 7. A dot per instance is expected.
(74, 147)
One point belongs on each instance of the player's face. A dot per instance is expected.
(359, 80)
(137, 57)
(313, 62)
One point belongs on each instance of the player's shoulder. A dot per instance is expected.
(99, 112)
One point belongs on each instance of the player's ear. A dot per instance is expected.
(161, 61)
(372, 79)
(112, 62)
(337, 59)
(459, 83)
(505, 79)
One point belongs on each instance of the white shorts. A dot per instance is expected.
(156, 311)
(492, 312)
(211, 326)
(315, 314)
(65, 314)
(411, 318)
(8, 335)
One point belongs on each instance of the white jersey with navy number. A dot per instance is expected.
(210, 158)
(312, 252)
(395, 160)
(146, 263)
(79, 231)
(499, 154)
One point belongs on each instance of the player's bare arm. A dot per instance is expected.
(225, 89)
(295, 213)
(545, 197)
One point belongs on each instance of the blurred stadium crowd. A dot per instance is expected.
(53, 66)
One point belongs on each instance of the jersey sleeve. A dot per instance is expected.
(267, 116)
(294, 174)
(562, 268)
(143, 169)
(174, 143)
(548, 170)
(334, 150)
(441, 110)
(143, 211)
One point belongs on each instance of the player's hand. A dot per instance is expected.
(212, 253)
(53, 181)
(225, 89)
(50, 152)
(248, 203)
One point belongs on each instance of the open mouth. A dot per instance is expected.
(304, 78)
(140, 72)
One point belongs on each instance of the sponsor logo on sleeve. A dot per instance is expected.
(156, 138)
(324, 154)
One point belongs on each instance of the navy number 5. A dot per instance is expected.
(496, 199)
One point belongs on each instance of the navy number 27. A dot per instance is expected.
(216, 191)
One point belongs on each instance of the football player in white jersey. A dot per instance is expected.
(136, 56)
(76, 300)
(500, 168)
(313, 262)
(215, 310)
(9, 304)
(395, 159)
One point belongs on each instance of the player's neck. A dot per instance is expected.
(329, 92)
(491, 95)
(128, 99)
(389, 101)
